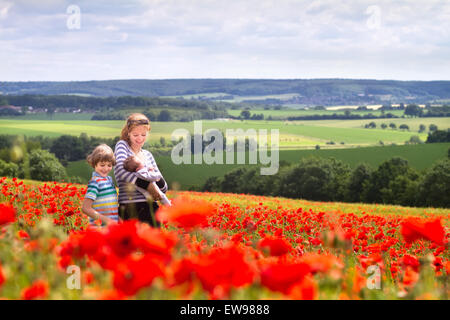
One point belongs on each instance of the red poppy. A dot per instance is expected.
(186, 213)
(413, 262)
(7, 214)
(123, 238)
(156, 241)
(38, 290)
(413, 229)
(223, 268)
(2, 276)
(282, 276)
(307, 289)
(276, 246)
(135, 273)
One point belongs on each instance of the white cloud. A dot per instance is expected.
(218, 38)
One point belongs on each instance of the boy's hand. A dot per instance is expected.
(107, 220)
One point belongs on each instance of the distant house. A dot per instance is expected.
(9, 110)
(19, 109)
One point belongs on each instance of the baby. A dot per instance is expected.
(134, 164)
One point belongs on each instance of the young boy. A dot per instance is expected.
(134, 164)
(100, 201)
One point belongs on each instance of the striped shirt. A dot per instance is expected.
(127, 180)
(103, 192)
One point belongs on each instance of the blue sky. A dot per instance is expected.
(277, 39)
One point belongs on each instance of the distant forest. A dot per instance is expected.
(309, 92)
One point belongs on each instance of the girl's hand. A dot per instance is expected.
(153, 192)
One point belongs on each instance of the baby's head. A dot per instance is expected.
(132, 164)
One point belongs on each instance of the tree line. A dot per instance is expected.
(107, 103)
(392, 182)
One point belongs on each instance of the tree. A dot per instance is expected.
(432, 127)
(245, 114)
(150, 115)
(438, 136)
(44, 166)
(422, 128)
(414, 140)
(358, 178)
(8, 169)
(383, 126)
(403, 127)
(393, 126)
(371, 125)
(413, 110)
(165, 116)
(212, 184)
(435, 185)
(315, 179)
(383, 186)
(68, 148)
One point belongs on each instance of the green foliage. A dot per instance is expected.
(358, 180)
(8, 169)
(432, 127)
(165, 116)
(413, 110)
(438, 136)
(315, 179)
(44, 166)
(245, 114)
(434, 189)
(422, 128)
(385, 184)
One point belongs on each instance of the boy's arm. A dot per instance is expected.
(87, 209)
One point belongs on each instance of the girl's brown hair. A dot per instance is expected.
(133, 121)
(101, 153)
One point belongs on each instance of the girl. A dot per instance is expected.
(132, 203)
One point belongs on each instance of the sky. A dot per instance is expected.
(59, 40)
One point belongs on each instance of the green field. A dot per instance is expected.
(188, 175)
(293, 135)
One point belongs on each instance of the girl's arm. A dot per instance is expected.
(151, 163)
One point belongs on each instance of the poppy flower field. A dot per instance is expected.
(219, 246)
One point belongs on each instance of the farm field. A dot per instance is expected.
(190, 175)
(301, 134)
(220, 246)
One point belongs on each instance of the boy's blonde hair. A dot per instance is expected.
(101, 153)
(133, 121)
